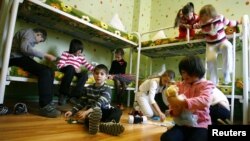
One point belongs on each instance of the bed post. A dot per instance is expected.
(137, 64)
(245, 47)
(6, 55)
(233, 77)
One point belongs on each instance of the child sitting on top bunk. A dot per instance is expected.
(186, 16)
(212, 25)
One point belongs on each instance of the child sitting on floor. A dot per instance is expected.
(197, 93)
(148, 91)
(94, 106)
(219, 109)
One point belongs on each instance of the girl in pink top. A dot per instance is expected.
(198, 96)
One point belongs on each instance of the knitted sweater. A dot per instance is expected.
(94, 97)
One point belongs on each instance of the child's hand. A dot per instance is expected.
(239, 21)
(110, 76)
(68, 114)
(187, 26)
(162, 116)
(78, 70)
(50, 57)
(82, 114)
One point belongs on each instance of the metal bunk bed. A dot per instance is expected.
(42, 16)
(174, 49)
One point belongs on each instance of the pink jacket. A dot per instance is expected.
(198, 97)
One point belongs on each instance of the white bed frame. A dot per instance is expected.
(246, 62)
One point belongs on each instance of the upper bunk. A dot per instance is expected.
(55, 15)
(52, 15)
(170, 47)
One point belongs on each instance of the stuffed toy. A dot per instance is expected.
(186, 117)
(136, 116)
(230, 30)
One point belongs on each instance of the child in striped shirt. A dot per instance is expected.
(212, 25)
(70, 64)
(94, 106)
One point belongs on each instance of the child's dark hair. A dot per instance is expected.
(119, 51)
(75, 45)
(43, 31)
(189, 7)
(192, 65)
(178, 18)
(169, 73)
(101, 67)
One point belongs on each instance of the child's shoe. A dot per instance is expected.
(94, 120)
(3, 109)
(111, 128)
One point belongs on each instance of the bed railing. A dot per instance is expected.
(139, 36)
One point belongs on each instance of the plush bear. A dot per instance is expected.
(186, 117)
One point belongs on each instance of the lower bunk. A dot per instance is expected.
(16, 74)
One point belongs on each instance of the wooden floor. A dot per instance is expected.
(31, 127)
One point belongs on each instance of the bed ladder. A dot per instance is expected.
(232, 86)
(232, 95)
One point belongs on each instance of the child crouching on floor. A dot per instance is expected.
(94, 106)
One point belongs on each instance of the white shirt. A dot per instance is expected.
(151, 87)
(219, 97)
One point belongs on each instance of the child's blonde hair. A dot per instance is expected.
(208, 10)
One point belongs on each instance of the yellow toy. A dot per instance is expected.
(186, 117)
(172, 91)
